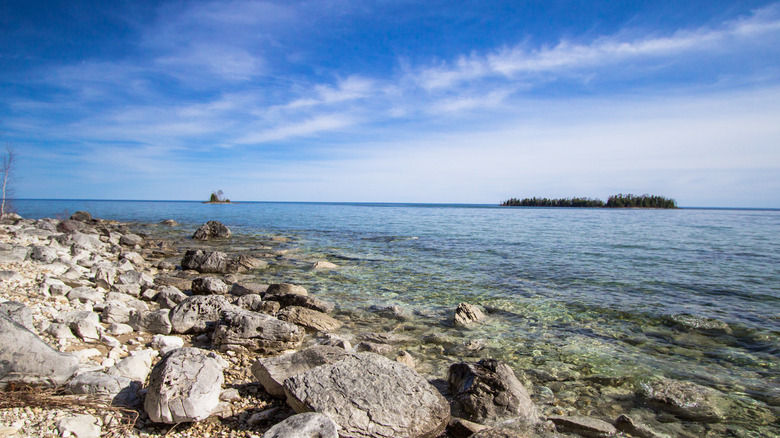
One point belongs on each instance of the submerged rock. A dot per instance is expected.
(686, 400)
(584, 426)
(369, 395)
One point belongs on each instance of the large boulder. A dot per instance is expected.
(209, 286)
(184, 386)
(307, 425)
(199, 313)
(244, 330)
(25, 358)
(489, 390)
(271, 372)
(18, 313)
(686, 400)
(368, 395)
(212, 230)
(81, 216)
(311, 319)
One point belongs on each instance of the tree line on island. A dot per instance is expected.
(614, 201)
(218, 197)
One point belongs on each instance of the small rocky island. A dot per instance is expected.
(218, 197)
(614, 201)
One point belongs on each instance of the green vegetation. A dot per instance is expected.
(615, 201)
(218, 197)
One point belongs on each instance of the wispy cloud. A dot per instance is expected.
(316, 125)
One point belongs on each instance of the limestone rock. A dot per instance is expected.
(368, 395)
(212, 230)
(158, 321)
(460, 428)
(120, 391)
(167, 344)
(636, 428)
(135, 367)
(18, 313)
(311, 319)
(501, 432)
(209, 286)
(131, 240)
(323, 265)
(25, 358)
(81, 216)
(215, 262)
(184, 386)
(584, 426)
(271, 372)
(307, 301)
(240, 329)
(241, 288)
(80, 426)
(306, 425)
(466, 314)
(169, 223)
(285, 288)
(686, 400)
(43, 254)
(196, 314)
(169, 297)
(489, 390)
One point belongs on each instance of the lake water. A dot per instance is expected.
(577, 297)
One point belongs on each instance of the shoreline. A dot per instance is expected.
(152, 249)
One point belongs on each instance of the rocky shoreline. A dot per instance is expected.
(141, 337)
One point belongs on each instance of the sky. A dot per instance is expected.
(393, 101)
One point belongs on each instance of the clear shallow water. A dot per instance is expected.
(573, 294)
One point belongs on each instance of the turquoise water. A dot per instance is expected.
(575, 296)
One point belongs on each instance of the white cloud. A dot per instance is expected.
(310, 127)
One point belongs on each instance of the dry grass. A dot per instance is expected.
(119, 423)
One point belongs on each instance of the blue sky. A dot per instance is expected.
(393, 101)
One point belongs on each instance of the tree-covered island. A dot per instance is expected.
(614, 201)
(218, 197)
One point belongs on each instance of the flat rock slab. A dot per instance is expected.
(311, 319)
(271, 372)
(368, 395)
(309, 302)
(26, 358)
(184, 386)
(308, 425)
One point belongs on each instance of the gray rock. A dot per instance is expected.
(169, 297)
(81, 216)
(285, 288)
(86, 294)
(80, 426)
(489, 390)
(208, 262)
(43, 254)
(311, 319)
(373, 347)
(368, 395)
(76, 316)
(324, 265)
(133, 257)
(120, 391)
(157, 321)
(116, 312)
(18, 313)
(135, 277)
(686, 400)
(14, 254)
(241, 288)
(209, 286)
(135, 367)
(55, 287)
(166, 344)
(240, 329)
(306, 425)
(60, 331)
(86, 330)
(254, 303)
(131, 240)
(309, 302)
(584, 426)
(169, 223)
(105, 276)
(698, 323)
(271, 372)
(467, 314)
(212, 230)
(25, 358)
(196, 314)
(184, 386)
